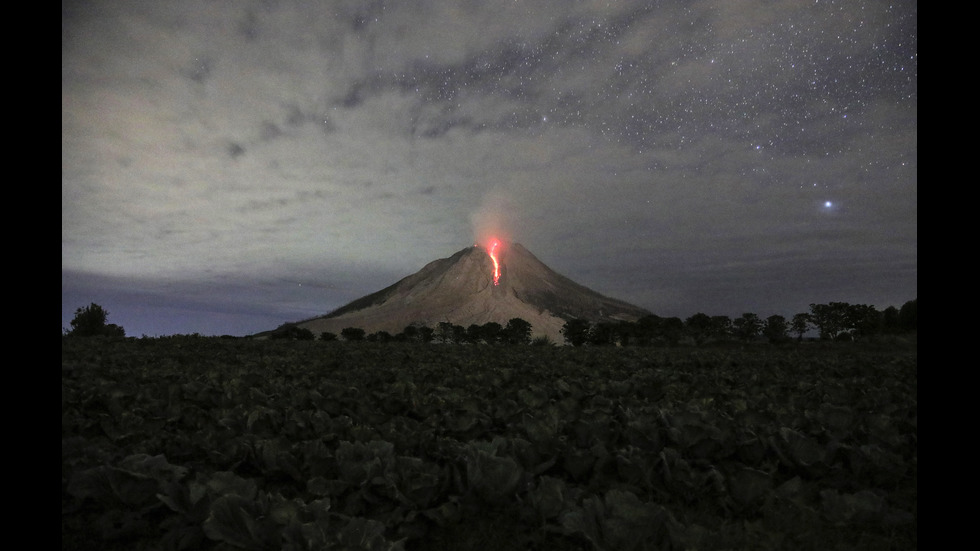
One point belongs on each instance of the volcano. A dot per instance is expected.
(462, 290)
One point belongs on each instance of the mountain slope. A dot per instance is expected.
(460, 290)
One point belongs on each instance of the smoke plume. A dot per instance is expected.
(496, 218)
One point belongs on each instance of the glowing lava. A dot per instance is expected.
(496, 265)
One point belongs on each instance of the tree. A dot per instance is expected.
(292, 332)
(459, 334)
(775, 328)
(576, 331)
(800, 325)
(90, 321)
(352, 334)
(450, 333)
(721, 327)
(444, 332)
(830, 319)
(699, 327)
(518, 331)
(410, 333)
(328, 336)
(603, 333)
(653, 330)
(626, 333)
(380, 336)
(748, 326)
(889, 321)
(908, 316)
(647, 329)
(672, 330)
(863, 320)
(491, 332)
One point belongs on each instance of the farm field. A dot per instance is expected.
(200, 443)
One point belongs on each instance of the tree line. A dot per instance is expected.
(516, 331)
(835, 321)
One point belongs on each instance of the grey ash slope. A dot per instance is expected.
(460, 290)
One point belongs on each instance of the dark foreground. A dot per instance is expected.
(222, 444)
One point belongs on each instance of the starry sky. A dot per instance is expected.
(231, 165)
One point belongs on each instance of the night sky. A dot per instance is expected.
(228, 166)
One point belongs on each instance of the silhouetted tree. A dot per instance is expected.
(863, 320)
(889, 321)
(748, 326)
(648, 329)
(352, 334)
(602, 333)
(410, 334)
(328, 336)
(576, 331)
(426, 334)
(775, 328)
(721, 327)
(379, 336)
(292, 332)
(699, 327)
(444, 332)
(491, 332)
(626, 333)
(518, 331)
(448, 332)
(672, 330)
(458, 334)
(653, 330)
(908, 316)
(800, 325)
(830, 319)
(90, 321)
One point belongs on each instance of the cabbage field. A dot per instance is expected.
(199, 443)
